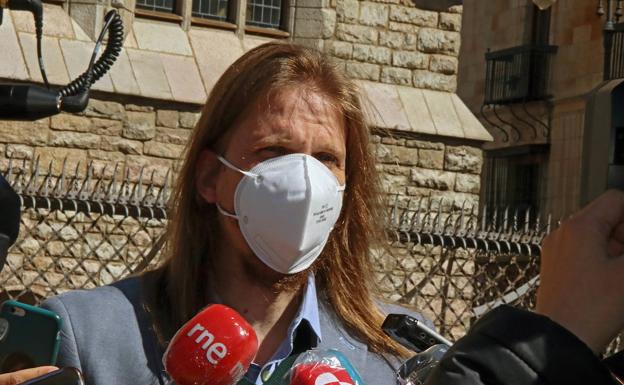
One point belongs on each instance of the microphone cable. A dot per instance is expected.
(37, 12)
(73, 94)
(32, 101)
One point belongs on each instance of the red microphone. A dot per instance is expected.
(215, 347)
(319, 374)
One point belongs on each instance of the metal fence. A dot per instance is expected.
(450, 261)
(79, 230)
(453, 263)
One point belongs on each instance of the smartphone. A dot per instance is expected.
(29, 336)
(411, 333)
(64, 376)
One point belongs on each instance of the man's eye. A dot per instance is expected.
(273, 151)
(327, 158)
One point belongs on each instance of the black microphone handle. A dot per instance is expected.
(19, 99)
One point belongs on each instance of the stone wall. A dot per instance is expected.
(65, 250)
(389, 41)
(444, 172)
(138, 134)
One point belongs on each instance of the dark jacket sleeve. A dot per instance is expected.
(517, 347)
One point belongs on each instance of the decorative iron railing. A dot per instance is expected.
(450, 261)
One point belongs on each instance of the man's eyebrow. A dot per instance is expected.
(283, 141)
(270, 140)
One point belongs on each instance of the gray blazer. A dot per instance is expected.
(107, 334)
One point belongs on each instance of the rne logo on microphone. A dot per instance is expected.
(214, 351)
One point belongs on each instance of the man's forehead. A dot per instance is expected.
(292, 112)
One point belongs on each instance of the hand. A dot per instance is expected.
(582, 272)
(20, 376)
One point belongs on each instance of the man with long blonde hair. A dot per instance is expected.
(275, 212)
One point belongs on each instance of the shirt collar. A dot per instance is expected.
(309, 309)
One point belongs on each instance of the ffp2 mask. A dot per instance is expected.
(286, 208)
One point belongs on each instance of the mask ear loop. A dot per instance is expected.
(230, 165)
(225, 212)
(247, 173)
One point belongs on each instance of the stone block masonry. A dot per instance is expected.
(414, 169)
(385, 40)
(145, 133)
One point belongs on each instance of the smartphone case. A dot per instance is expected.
(29, 336)
(64, 376)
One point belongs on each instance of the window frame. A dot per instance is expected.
(511, 157)
(182, 15)
(175, 16)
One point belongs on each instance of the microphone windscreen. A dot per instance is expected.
(9, 211)
(215, 347)
(322, 367)
(320, 374)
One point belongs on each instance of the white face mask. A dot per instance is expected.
(286, 208)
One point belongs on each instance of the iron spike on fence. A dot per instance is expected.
(83, 194)
(37, 181)
(32, 180)
(60, 182)
(163, 194)
(416, 224)
(150, 198)
(47, 181)
(404, 217)
(74, 184)
(394, 212)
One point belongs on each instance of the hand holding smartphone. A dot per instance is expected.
(64, 376)
(29, 336)
(24, 375)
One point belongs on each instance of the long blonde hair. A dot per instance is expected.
(344, 272)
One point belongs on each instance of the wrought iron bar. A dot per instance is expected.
(106, 194)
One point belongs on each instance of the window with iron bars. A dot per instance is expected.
(515, 178)
(261, 16)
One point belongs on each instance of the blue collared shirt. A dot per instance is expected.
(309, 312)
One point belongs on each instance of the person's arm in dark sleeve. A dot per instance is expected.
(517, 347)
